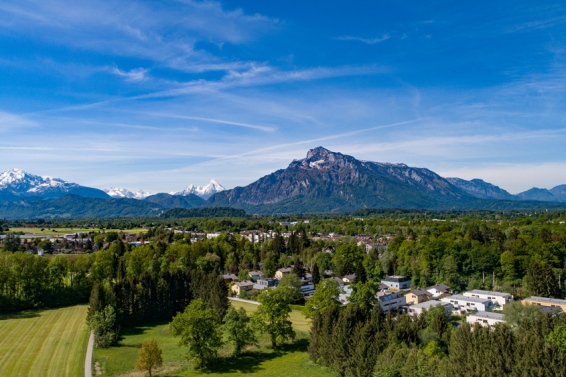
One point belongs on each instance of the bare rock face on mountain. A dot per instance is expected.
(481, 189)
(327, 181)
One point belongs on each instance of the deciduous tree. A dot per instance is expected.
(149, 356)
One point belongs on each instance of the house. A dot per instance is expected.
(383, 287)
(282, 271)
(230, 278)
(417, 309)
(348, 279)
(397, 283)
(345, 295)
(339, 281)
(329, 250)
(242, 286)
(548, 302)
(265, 283)
(390, 301)
(485, 319)
(439, 290)
(416, 296)
(464, 305)
(307, 290)
(499, 299)
(255, 275)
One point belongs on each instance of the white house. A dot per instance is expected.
(345, 295)
(390, 300)
(397, 283)
(438, 290)
(463, 304)
(485, 319)
(417, 309)
(282, 271)
(499, 299)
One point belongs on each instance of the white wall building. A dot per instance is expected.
(417, 309)
(499, 299)
(464, 305)
(397, 283)
(390, 300)
(485, 318)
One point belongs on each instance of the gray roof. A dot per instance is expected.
(439, 287)
(428, 304)
(488, 315)
(420, 292)
(546, 300)
(466, 299)
(489, 293)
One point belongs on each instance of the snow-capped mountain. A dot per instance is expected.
(125, 193)
(204, 192)
(16, 184)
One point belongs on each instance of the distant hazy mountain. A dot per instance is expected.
(115, 192)
(204, 192)
(481, 189)
(16, 184)
(176, 201)
(544, 195)
(327, 181)
(559, 192)
(73, 206)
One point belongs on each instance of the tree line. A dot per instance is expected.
(358, 342)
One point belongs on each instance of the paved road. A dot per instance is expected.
(242, 300)
(88, 359)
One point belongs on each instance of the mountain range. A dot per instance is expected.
(324, 181)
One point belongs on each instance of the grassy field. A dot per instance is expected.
(44, 343)
(290, 361)
(63, 231)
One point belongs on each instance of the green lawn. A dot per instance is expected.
(44, 343)
(63, 231)
(290, 361)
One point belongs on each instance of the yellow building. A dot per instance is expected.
(416, 296)
(547, 302)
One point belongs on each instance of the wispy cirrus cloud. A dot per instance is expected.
(369, 41)
(133, 75)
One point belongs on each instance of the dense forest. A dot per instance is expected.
(357, 342)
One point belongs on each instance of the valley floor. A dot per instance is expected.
(292, 360)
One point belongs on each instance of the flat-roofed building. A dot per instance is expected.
(499, 299)
(464, 305)
(548, 302)
(417, 309)
(396, 282)
(485, 319)
(390, 301)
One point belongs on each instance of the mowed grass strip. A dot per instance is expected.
(44, 343)
(289, 361)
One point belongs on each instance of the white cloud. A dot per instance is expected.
(369, 41)
(133, 75)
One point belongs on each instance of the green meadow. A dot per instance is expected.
(44, 343)
(262, 361)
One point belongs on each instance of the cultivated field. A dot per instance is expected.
(262, 361)
(44, 343)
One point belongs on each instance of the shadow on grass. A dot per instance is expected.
(138, 330)
(250, 362)
(19, 315)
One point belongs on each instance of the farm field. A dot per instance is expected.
(63, 231)
(44, 343)
(262, 361)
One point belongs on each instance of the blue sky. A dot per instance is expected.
(155, 95)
